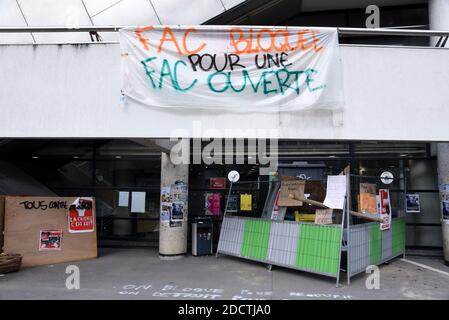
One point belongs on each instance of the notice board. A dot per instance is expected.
(27, 220)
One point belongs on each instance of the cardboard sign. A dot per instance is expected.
(294, 186)
(217, 183)
(323, 216)
(81, 218)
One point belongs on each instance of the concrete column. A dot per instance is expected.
(439, 20)
(438, 17)
(173, 228)
(443, 181)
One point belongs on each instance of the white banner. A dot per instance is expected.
(262, 69)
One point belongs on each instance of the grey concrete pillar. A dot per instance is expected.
(438, 17)
(439, 20)
(443, 181)
(174, 206)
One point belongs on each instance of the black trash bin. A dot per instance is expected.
(202, 236)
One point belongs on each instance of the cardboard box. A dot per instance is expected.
(26, 217)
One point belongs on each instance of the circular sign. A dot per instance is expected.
(386, 177)
(233, 176)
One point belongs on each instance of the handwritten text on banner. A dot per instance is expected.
(231, 67)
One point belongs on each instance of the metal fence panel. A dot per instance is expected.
(386, 244)
(398, 236)
(231, 236)
(284, 243)
(319, 249)
(256, 236)
(359, 248)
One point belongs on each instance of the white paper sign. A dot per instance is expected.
(138, 202)
(238, 68)
(123, 198)
(335, 192)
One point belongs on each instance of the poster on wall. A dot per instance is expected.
(246, 202)
(367, 198)
(212, 204)
(232, 203)
(217, 183)
(123, 198)
(81, 217)
(50, 240)
(385, 209)
(138, 202)
(268, 69)
(412, 203)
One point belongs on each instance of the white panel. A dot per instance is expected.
(56, 13)
(231, 3)
(391, 93)
(10, 16)
(126, 13)
(96, 6)
(188, 12)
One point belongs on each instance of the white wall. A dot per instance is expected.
(392, 93)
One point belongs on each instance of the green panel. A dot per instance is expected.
(319, 249)
(376, 244)
(256, 237)
(398, 231)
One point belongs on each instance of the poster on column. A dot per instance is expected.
(444, 197)
(264, 69)
(385, 209)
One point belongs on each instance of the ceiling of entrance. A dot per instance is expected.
(61, 13)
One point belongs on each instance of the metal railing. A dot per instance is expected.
(341, 31)
(94, 30)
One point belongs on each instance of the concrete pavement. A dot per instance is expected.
(140, 274)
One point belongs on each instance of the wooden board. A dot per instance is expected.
(2, 220)
(23, 226)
